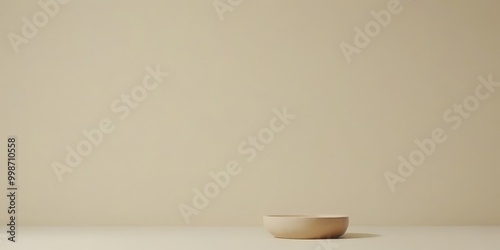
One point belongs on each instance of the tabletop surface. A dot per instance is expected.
(241, 238)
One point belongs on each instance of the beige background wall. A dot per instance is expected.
(352, 120)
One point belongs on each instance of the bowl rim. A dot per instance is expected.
(307, 216)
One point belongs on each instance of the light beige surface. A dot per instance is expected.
(222, 238)
(352, 120)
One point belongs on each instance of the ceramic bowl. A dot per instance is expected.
(306, 226)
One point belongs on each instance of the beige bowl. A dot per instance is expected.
(306, 226)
